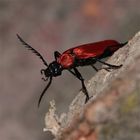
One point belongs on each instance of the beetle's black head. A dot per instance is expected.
(54, 69)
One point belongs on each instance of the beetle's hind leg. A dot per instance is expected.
(105, 68)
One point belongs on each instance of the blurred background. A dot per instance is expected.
(50, 25)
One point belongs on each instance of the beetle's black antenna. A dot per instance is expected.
(42, 94)
(32, 49)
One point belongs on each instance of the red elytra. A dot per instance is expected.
(86, 51)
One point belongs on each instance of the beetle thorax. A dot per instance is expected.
(66, 60)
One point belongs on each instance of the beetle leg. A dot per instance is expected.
(110, 66)
(95, 68)
(105, 68)
(78, 75)
(73, 73)
(83, 84)
(56, 55)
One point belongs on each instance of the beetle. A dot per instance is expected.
(83, 55)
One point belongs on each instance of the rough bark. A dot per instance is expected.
(113, 112)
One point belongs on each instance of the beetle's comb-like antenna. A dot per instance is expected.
(32, 49)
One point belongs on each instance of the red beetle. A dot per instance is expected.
(87, 54)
